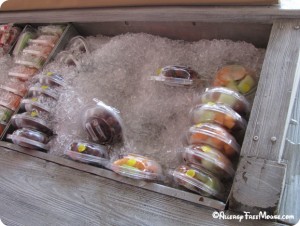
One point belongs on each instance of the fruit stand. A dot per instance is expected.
(42, 189)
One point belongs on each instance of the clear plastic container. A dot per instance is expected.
(31, 120)
(237, 78)
(5, 114)
(220, 114)
(51, 79)
(67, 58)
(8, 35)
(15, 86)
(31, 61)
(38, 50)
(38, 90)
(52, 30)
(198, 180)
(45, 40)
(87, 152)
(9, 100)
(210, 159)
(78, 45)
(23, 41)
(22, 72)
(215, 136)
(226, 96)
(176, 75)
(103, 124)
(30, 139)
(137, 167)
(41, 104)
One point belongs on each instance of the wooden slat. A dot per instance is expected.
(36, 192)
(275, 93)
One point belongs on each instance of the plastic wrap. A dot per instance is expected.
(78, 45)
(22, 72)
(41, 104)
(45, 40)
(8, 35)
(15, 86)
(51, 79)
(9, 100)
(38, 50)
(29, 33)
(38, 90)
(56, 30)
(31, 61)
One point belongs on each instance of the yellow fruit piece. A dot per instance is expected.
(210, 103)
(131, 162)
(45, 87)
(81, 148)
(34, 99)
(190, 173)
(159, 70)
(34, 113)
(206, 148)
(49, 73)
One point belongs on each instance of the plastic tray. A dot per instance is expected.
(51, 79)
(35, 104)
(15, 86)
(9, 100)
(38, 50)
(31, 61)
(27, 143)
(45, 40)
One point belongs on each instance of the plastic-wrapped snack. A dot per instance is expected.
(51, 79)
(103, 124)
(30, 139)
(31, 120)
(215, 136)
(137, 167)
(38, 90)
(45, 40)
(57, 30)
(210, 159)
(78, 45)
(31, 61)
(5, 114)
(8, 35)
(22, 72)
(23, 41)
(9, 100)
(176, 75)
(41, 104)
(236, 77)
(15, 86)
(198, 180)
(226, 96)
(87, 152)
(220, 114)
(38, 50)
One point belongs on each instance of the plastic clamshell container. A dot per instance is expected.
(22, 72)
(45, 40)
(5, 114)
(137, 167)
(87, 152)
(78, 45)
(210, 159)
(198, 180)
(215, 136)
(30, 139)
(15, 86)
(37, 90)
(30, 60)
(227, 97)
(9, 100)
(176, 75)
(8, 36)
(38, 50)
(52, 30)
(220, 114)
(103, 124)
(39, 104)
(51, 79)
(236, 77)
(27, 33)
(31, 120)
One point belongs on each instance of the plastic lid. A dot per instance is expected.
(103, 124)
(46, 90)
(210, 159)
(87, 152)
(27, 143)
(228, 97)
(31, 120)
(22, 72)
(31, 61)
(51, 79)
(9, 100)
(176, 75)
(198, 180)
(215, 136)
(218, 113)
(33, 135)
(137, 167)
(5, 114)
(33, 104)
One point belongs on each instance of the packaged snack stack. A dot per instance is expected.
(8, 36)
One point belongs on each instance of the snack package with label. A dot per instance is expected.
(37, 90)
(30, 61)
(29, 138)
(176, 75)
(215, 136)
(9, 100)
(15, 86)
(237, 78)
(103, 124)
(220, 114)
(87, 152)
(22, 72)
(56, 30)
(137, 167)
(77, 46)
(5, 114)
(198, 180)
(227, 97)
(42, 104)
(38, 50)
(8, 35)
(51, 79)
(45, 40)
(23, 40)
(31, 120)
(210, 159)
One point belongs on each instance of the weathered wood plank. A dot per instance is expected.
(36, 192)
(275, 93)
(257, 186)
